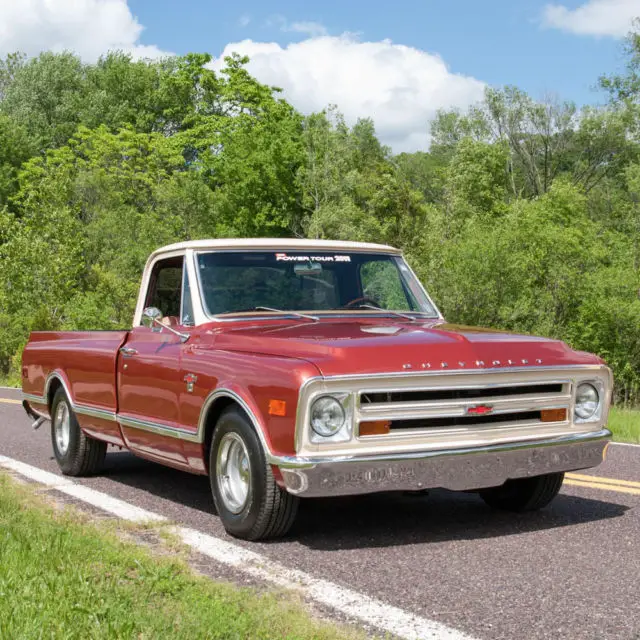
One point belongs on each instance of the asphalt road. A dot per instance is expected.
(569, 571)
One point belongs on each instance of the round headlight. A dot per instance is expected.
(327, 416)
(587, 401)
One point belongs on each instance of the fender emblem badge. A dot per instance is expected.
(190, 379)
(479, 410)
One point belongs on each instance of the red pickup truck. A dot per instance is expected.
(284, 369)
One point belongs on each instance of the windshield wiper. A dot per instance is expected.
(289, 313)
(391, 313)
(286, 313)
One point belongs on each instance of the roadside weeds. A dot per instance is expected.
(625, 425)
(62, 576)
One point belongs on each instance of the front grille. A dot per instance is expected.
(465, 421)
(459, 394)
(434, 409)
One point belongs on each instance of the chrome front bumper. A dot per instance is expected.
(456, 469)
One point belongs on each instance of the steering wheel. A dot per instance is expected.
(360, 301)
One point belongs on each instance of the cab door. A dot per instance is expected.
(149, 370)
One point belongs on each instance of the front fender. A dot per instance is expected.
(247, 402)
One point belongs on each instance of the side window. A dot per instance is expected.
(165, 288)
(381, 283)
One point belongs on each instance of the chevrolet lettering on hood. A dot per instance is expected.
(287, 369)
(477, 363)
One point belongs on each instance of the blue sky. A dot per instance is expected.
(397, 62)
(498, 41)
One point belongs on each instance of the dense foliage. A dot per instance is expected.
(523, 215)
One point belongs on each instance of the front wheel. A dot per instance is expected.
(249, 502)
(76, 453)
(524, 494)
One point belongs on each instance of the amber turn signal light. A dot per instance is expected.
(277, 408)
(377, 428)
(553, 415)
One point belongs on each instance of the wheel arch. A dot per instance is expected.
(215, 404)
(55, 381)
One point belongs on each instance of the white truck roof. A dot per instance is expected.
(276, 244)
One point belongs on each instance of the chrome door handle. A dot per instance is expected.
(128, 351)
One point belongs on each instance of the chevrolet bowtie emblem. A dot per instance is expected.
(479, 410)
(190, 379)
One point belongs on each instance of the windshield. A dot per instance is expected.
(237, 282)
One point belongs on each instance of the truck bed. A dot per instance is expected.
(83, 361)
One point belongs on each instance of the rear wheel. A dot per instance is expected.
(524, 494)
(77, 454)
(249, 502)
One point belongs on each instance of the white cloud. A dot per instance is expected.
(312, 29)
(244, 20)
(595, 17)
(86, 27)
(400, 87)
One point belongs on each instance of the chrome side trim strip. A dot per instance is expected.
(157, 427)
(33, 398)
(94, 412)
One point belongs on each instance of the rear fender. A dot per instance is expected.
(54, 381)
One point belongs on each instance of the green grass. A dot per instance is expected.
(62, 577)
(625, 424)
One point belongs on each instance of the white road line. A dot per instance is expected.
(11, 388)
(356, 605)
(625, 444)
(33, 473)
(104, 501)
(98, 499)
(351, 603)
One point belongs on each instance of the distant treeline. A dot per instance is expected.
(523, 215)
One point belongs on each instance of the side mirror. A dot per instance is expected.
(151, 316)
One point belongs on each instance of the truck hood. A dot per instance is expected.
(363, 346)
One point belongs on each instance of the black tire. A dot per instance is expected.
(525, 494)
(83, 455)
(269, 511)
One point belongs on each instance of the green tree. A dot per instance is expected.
(546, 139)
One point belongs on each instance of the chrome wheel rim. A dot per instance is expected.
(62, 427)
(233, 471)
